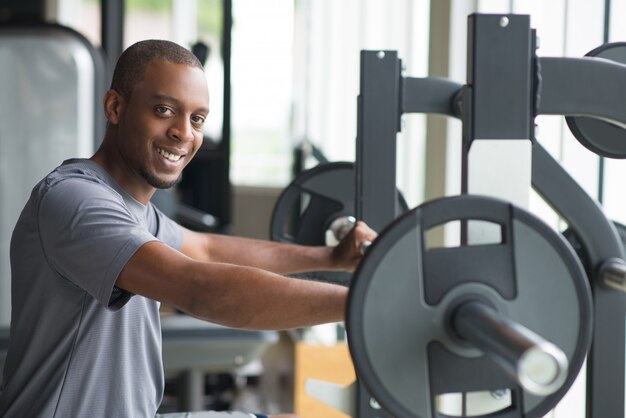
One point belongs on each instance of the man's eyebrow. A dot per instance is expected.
(166, 98)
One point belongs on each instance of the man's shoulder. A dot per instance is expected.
(76, 183)
(77, 169)
(79, 176)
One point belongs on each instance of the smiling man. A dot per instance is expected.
(92, 258)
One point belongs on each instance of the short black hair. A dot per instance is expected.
(132, 64)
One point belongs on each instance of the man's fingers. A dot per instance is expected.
(364, 246)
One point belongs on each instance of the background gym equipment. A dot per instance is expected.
(317, 208)
(41, 64)
(193, 349)
(416, 314)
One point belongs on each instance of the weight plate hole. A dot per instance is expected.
(471, 404)
(292, 224)
(450, 234)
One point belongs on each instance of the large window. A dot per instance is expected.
(81, 15)
(262, 66)
(295, 72)
(329, 37)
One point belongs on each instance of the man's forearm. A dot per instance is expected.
(228, 294)
(272, 256)
(245, 297)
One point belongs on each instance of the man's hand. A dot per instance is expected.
(347, 254)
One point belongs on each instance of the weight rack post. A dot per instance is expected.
(378, 124)
(498, 106)
(375, 166)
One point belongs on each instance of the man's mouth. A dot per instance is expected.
(168, 155)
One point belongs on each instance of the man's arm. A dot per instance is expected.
(228, 294)
(277, 257)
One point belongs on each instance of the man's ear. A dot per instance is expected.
(113, 103)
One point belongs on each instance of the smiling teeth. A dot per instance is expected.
(168, 155)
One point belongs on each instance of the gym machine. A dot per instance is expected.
(317, 208)
(499, 103)
(509, 309)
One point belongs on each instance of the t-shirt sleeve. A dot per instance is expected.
(88, 235)
(168, 231)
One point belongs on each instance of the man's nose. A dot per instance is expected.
(181, 129)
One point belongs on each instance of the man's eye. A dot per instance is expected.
(198, 120)
(162, 110)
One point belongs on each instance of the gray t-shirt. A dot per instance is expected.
(81, 347)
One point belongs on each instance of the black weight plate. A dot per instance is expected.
(602, 138)
(401, 345)
(306, 208)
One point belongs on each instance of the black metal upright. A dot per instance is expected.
(378, 124)
(226, 188)
(384, 96)
(376, 191)
(498, 99)
(112, 30)
(605, 362)
(499, 75)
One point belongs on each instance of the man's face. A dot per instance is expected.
(161, 126)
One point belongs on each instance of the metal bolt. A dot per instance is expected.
(499, 393)
(381, 55)
(374, 404)
(504, 21)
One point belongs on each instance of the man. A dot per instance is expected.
(91, 258)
